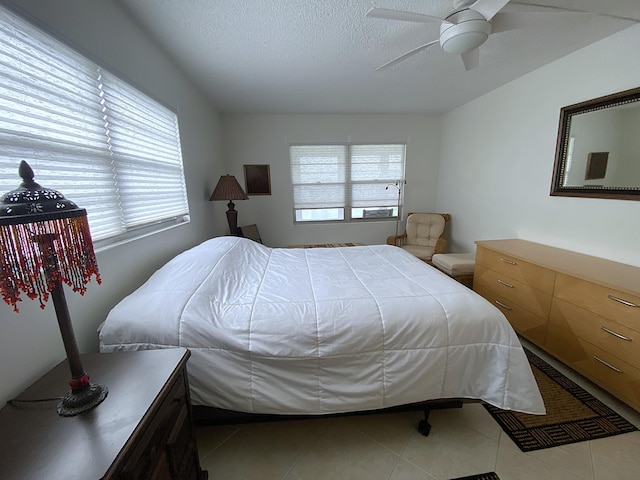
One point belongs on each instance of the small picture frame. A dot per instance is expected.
(596, 165)
(257, 179)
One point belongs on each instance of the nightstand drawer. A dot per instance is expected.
(531, 299)
(524, 272)
(180, 444)
(152, 455)
(613, 304)
(168, 444)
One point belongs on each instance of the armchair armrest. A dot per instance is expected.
(397, 240)
(440, 246)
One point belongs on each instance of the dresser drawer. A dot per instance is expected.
(612, 337)
(618, 377)
(535, 301)
(533, 275)
(525, 323)
(618, 306)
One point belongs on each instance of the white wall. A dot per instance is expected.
(265, 139)
(30, 342)
(498, 155)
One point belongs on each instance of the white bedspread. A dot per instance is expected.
(319, 331)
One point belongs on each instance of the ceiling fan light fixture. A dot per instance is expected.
(470, 30)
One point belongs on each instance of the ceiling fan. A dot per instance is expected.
(461, 32)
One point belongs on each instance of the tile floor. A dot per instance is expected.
(462, 442)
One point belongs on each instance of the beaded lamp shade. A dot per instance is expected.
(45, 242)
(38, 225)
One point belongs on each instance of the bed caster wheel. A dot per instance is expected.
(424, 427)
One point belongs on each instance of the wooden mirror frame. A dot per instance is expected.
(564, 129)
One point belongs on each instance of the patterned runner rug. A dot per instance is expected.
(573, 415)
(482, 476)
(327, 245)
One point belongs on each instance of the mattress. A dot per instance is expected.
(325, 330)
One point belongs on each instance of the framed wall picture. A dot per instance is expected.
(596, 165)
(257, 179)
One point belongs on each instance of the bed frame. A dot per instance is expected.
(218, 416)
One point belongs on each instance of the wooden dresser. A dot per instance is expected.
(142, 430)
(581, 309)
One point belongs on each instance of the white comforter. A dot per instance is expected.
(319, 331)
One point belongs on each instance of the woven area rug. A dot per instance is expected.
(573, 415)
(482, 476)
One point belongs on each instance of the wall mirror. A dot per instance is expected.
(598, 148)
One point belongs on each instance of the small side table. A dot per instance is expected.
(142, 430)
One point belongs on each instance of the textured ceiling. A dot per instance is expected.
(320, 56)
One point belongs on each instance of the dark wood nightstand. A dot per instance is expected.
(143, 429)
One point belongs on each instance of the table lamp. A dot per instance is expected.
(229, 189)
(45, 242)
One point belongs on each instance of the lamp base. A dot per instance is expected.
(232, 219)
(81, 400)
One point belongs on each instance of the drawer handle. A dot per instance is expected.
(503, 305)
(505, 284)
(617, 335)
(506, 260)
(624, 302)
(607, 364)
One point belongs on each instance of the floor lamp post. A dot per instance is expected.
(398, 185)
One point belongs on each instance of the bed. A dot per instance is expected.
(323, 331)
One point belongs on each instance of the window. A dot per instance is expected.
(99, 141)
(346, 182)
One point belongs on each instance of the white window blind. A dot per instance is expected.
(99, 141)
(343, 182)
(373, 167)
(319, 176)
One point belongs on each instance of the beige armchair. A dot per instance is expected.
(424, 235)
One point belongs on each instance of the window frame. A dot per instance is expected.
(396, 204)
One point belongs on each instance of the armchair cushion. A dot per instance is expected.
(424, 229)
(423, 253)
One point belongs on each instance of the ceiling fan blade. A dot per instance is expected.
(406, 55)
(404, 16)
(471, 59)
(503, 22)
(488, 8)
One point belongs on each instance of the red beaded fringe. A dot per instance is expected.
(35, 256)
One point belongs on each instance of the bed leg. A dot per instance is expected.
(424, 427)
